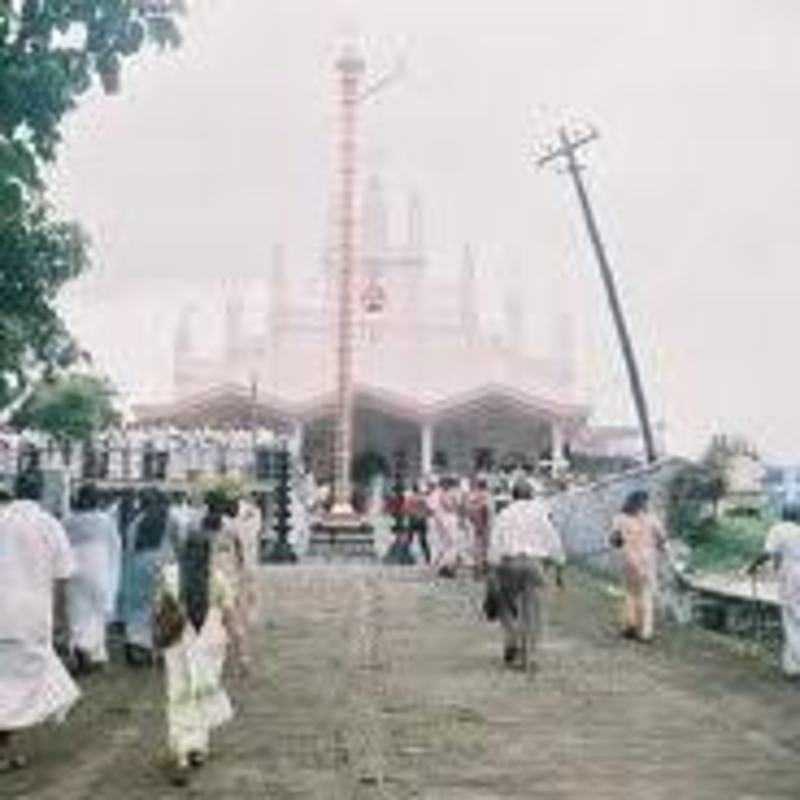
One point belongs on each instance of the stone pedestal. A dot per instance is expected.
(342, 537)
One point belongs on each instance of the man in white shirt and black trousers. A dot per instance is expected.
(523, 543)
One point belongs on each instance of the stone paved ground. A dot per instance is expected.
(376, 683)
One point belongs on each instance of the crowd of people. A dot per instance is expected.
(139, 452)
(177, 575)
(512, 542)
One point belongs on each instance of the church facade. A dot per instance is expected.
(433, 389)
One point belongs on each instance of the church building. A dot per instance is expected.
(434, 388)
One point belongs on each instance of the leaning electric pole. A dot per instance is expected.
(566, 150)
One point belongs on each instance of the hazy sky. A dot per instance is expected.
(214, 153)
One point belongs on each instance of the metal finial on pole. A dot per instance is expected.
(568, 146)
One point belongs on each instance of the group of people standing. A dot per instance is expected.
(139, 452)
(178, 577)
(449, 522)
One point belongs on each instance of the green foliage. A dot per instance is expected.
(718, 543)
(38, 255)
(69, 407)
(691, 495)
(51, 52)
(730, 543)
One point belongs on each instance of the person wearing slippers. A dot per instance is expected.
(35, 563)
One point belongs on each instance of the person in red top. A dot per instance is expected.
(417, 513)
(479, 513)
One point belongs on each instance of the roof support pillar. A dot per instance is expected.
(556, 448)
(426, 448)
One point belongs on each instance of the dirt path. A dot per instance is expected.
(376, 683)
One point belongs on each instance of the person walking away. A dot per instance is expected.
(523, 545)
(251, 522)
(92, 590)
(640, 535)
(417, 511)
(230, 560)
(35, 563)
(782, 547)
(194, 610)
(479, 513)
(443, 509)
(152, 542)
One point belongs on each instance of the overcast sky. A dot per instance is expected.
(214, 153)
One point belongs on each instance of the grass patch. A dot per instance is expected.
(727, 543)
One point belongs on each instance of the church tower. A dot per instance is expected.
(565, 349)
(374, 224)
(415, 232)
(234, 326)
(514, 308)
(277, 296)
(468, 305)
(183, 349)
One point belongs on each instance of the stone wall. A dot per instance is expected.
(584, 515)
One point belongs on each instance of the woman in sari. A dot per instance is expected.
(92, 590)
(444, 508)
(149, 547)
(641, 536)
(194, 619)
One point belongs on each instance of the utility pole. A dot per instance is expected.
(566, 150)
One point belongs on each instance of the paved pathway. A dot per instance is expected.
(376, 683)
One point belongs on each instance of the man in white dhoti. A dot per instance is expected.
(782, 547)
(92, 591)
(523, 542)
(35, 561)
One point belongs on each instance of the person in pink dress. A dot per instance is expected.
(640, 535)
(443, 505)
(478, 509)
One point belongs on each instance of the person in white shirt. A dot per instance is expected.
(35, 562)
(523, 543)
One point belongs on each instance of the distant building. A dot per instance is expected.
(432, 384)
(783, 486)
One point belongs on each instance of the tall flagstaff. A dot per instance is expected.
(351, 68)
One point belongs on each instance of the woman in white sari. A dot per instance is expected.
(195, 609)
(35, 561)
(92, 590)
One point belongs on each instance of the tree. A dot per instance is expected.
(51, 52)
(689, 494)
(70, 407)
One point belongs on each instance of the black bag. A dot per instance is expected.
(169, 622)
(491, 607)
